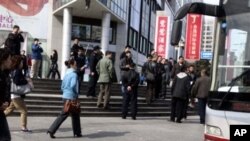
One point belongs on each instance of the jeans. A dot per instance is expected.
(202, 109)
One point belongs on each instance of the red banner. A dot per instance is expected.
(193, 37)
(161, 36)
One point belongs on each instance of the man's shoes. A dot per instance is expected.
(178, 121)
(99, 106)
(123, 117)
(172, 120)
(133, 118)
(51, 135)
(77, 135)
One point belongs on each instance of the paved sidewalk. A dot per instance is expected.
(111, 129)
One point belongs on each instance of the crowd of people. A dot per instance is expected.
(159, 73)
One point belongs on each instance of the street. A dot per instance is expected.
(111, 129)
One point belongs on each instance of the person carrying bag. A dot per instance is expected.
(19, 87)
(70, 88)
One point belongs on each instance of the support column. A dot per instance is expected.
(105, 31)
(66, 41)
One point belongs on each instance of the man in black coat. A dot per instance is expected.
(75, 48)
(124, 65)
(80, 61)
(13, 42)
(180, 91)
(130, 81)
(177, 67)
(93, 76)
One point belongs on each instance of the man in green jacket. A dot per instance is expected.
(104, 69)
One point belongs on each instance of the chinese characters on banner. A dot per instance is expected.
(161, 36)
(193, 37)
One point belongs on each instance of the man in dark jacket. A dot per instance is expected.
(36, 58)
(75, 48)
(178, 66)
(13, 42)
(80, 61)
(124, 66)
(130, 81)
(180, 92)
(158, 77)
(165, 78)
(93, 77)
(200, 90)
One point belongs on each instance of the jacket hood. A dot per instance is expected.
(181, 75)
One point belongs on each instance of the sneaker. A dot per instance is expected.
(26, 130)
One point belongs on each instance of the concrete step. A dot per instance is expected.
(92, 103)
(100, 114)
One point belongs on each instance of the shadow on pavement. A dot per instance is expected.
(104, 134)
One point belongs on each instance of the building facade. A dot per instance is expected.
(111, 24)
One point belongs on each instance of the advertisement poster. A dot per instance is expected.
(30, 15)
(193, 37)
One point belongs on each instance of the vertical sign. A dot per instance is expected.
(161, 35)
(193, 37)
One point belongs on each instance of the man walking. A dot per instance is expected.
(13, 42)
(36, 58)
(200, 90)
(180, 91)
(123, 54)
(93, 77)
(75, 48)
(104, 68)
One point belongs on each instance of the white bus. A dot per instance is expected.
(229, 98)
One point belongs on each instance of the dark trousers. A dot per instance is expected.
(158, 86)
(80, 79)
(54, 71)
(129, 97)
(202, 109)
(177, 106)
(4, 128)
(92, 85)
(185, 108)
(150, 92)
(163, 92)
(76, 124)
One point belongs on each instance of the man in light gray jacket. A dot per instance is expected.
(104, 68)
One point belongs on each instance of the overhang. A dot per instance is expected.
(95, 11)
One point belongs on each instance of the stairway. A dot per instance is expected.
(46, 100)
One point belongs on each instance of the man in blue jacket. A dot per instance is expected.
(36, 58)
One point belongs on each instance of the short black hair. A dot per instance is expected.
(128, 46)
(16, 26)
(96, 48)
(36, 39)
(149, 56)
(181, 57)
(4, 54)
(108, 53)
(183, 68)
(75, 38)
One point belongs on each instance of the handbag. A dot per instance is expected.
(72, 106)
(150, 76)
(20, 89)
